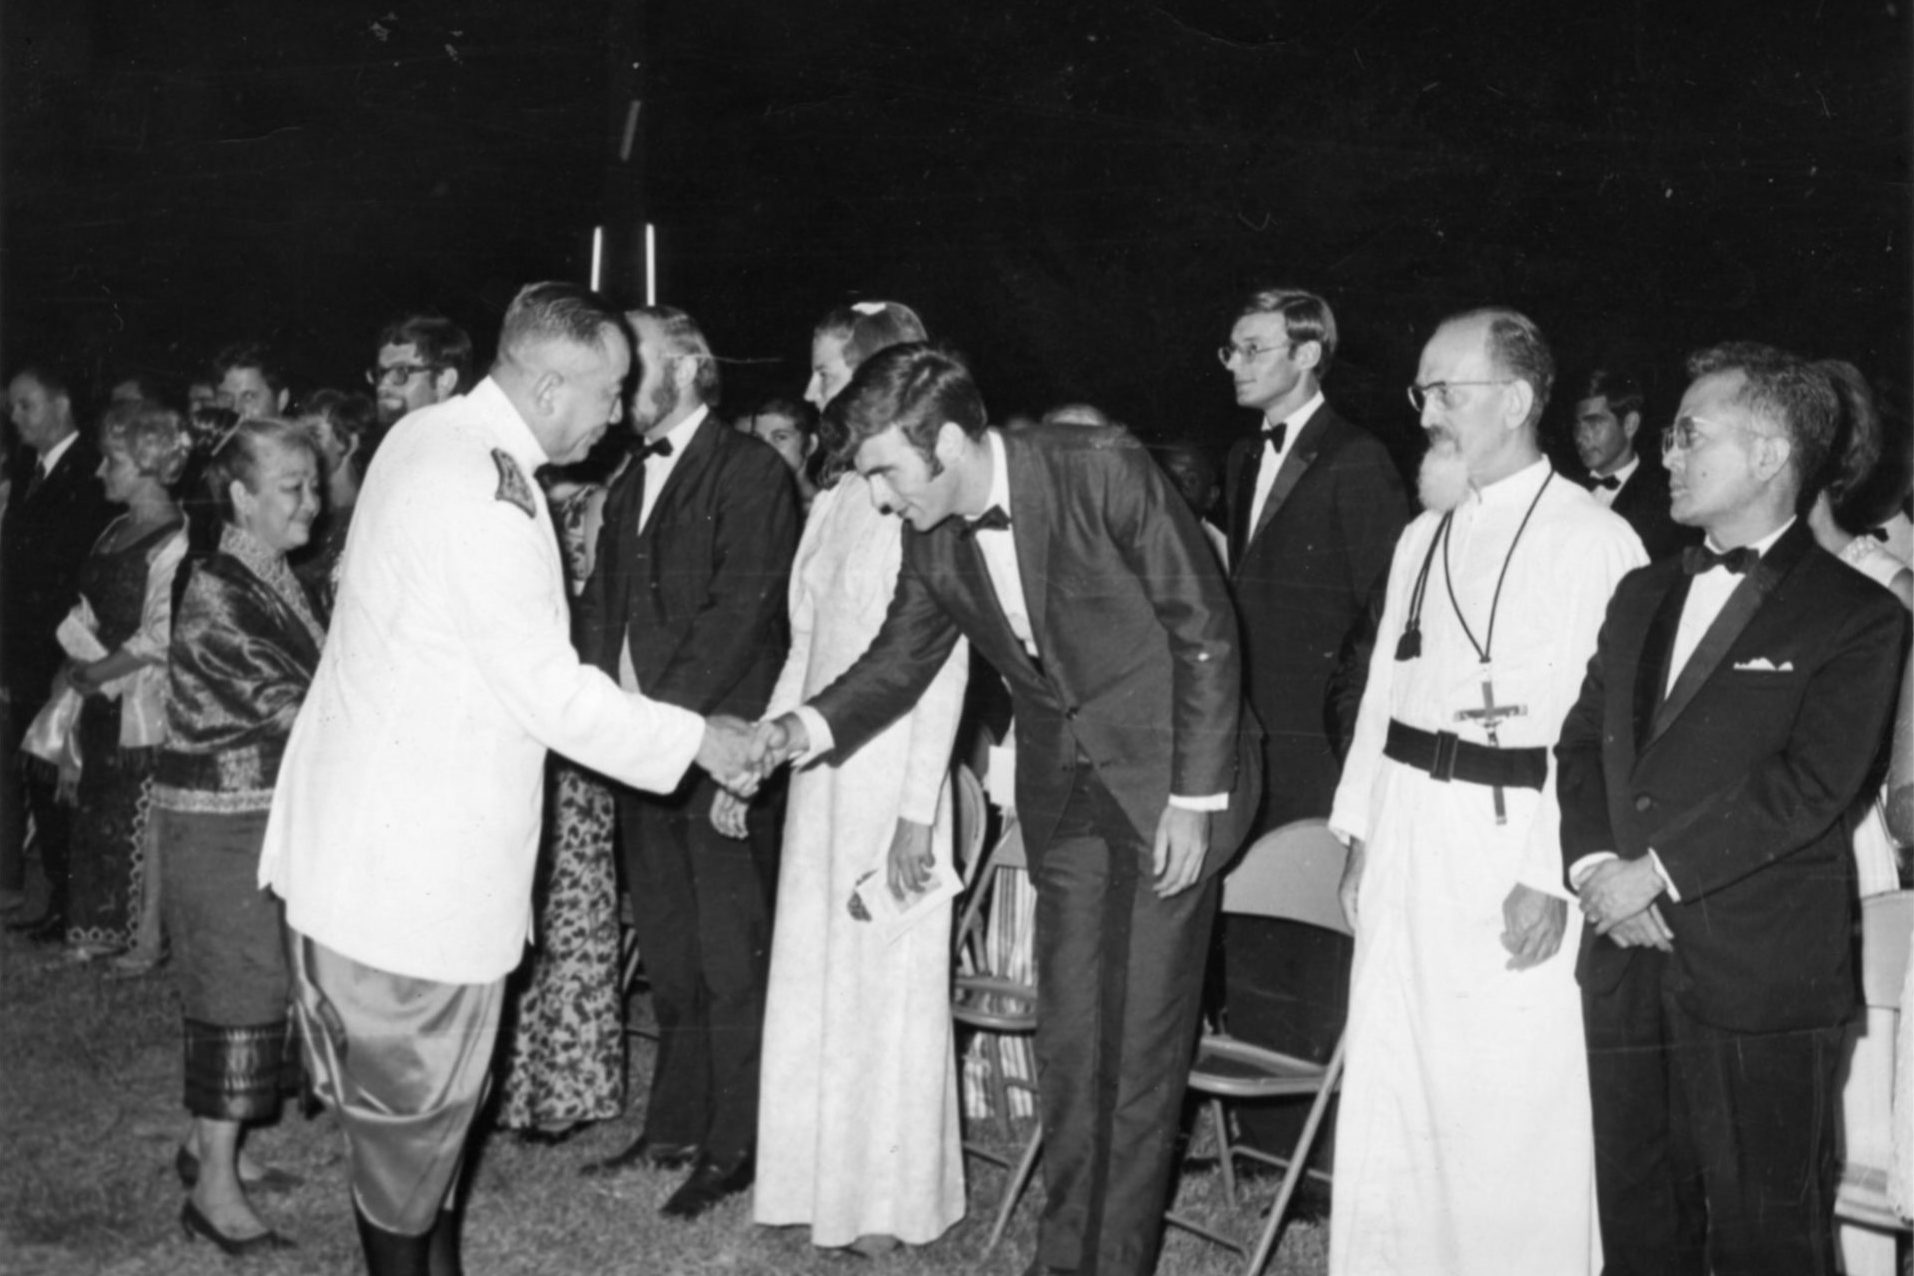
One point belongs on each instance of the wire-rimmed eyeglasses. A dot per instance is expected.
(1443, 392)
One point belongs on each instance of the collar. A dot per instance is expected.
(509, 432)
(999, 475)
(1297, 419)
(1517, 489)
(51, 457)
(680, 434)
(1625, 472)
(1761, 546)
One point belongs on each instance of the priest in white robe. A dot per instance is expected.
(1464, 1142)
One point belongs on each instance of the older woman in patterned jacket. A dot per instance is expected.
(245, 645)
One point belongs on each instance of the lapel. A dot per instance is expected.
(1651, 667)
(1030, 532)
(1753, 591)
(699, 453)
(1244, 495)
(1302, 454)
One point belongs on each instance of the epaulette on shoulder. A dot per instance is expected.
(513, 487)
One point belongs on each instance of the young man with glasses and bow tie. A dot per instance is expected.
(1608, 414)
(423, 359)
(1314, 507)
(1733, 712)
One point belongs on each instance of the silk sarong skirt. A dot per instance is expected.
(228, 935)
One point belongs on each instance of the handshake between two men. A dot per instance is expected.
(741, 755)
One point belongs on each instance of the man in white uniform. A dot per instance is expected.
(405, 823)
(1464, 1142)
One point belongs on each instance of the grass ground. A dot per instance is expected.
(90, 1116)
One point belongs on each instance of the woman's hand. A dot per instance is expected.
(84, 676)
(727, 814)
(911, 860)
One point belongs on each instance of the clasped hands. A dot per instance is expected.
(741, 755)
(1619, 896)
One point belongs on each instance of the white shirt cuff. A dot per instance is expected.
(1578, 871)
(1666, 884)
(1210, 802)
(817, 734)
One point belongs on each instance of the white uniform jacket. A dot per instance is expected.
(406, 818)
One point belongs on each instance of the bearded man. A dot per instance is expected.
(1464, 1143)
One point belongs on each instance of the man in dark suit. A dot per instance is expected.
(1315, 509)
(1608, 414)
(1733, 711)
(687, 604)
(1075, 568)
(54, 515)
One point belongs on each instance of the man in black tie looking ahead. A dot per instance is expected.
(1071, 564)
(1736, 702)
(1315, 508)
(686, 603)
(1608, 415)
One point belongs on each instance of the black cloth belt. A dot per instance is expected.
(1447, 757)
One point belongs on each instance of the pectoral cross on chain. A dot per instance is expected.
(1490, 715)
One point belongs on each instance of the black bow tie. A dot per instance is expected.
(1275, 434)
(993, 519)
(1608, 484)
(1697, 559)
(644, 450)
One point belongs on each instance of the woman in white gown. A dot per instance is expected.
(857, 1126)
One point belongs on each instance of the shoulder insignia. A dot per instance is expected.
(513, 487)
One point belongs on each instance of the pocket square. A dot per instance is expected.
(1761, 664)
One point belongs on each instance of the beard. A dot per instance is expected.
(1443, 482)
(650, 409)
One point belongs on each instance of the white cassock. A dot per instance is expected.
(1464, 1142)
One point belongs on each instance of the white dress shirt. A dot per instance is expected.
(1273, 456)
(1607, 495)
(658, 468)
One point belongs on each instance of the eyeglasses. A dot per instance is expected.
(1443, 393)
(1683, 437)
(1248, 354)
(396, 373)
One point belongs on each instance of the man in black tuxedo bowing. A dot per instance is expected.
(687, 604)
(1608, 416)
(1733, 711)
(1074, 567)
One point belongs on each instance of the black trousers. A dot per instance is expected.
(1119, 983)
(1714, 1150)
(702, 905)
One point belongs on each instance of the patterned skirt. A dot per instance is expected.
(565, 1059)
(107, 859)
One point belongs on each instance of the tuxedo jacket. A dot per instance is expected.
(1738, 779)
(1140, 671)
(699, 594)
(1643, 501)
(1304, 579)
(44, 541)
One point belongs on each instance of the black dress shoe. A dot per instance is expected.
(709, 1184)
(41, 930)
(194, 1223)
(644, 1153)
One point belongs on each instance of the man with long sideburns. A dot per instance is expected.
(1073, 567)
(1463, 1144)
(405, 824)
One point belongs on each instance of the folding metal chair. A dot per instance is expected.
(1292, 874)
(989, 1002)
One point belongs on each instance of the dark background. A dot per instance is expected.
(1076, 194)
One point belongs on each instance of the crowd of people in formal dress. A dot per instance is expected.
(398, 727)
